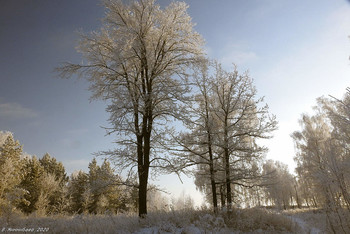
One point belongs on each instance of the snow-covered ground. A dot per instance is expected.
(179, 222)
(304, 227)
(309, 221)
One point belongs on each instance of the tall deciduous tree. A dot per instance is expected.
(225, 121)
(132, 62)
(232, 119)
(242, 118)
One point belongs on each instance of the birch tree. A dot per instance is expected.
(338, 112)
(323, 157)
(137, 62)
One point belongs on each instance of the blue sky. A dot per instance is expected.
(295, 51)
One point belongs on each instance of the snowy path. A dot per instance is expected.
(305, 228)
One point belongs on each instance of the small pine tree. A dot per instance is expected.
(32, 183)
(111, 188)
(94, 185)
(104, 187)
(10, 173)
(52, 166)
(78, 187)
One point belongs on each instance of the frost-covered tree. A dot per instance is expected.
(32, 183)
(3, 136)
(198, 144)
(242, 118)
(182, 202)
(137, 62)
(11, 172)
(313, 156)
(225, 120)
(104, 188)
(110, 187)
(156, 201)
(93, 186)
(55, 179)
(338, 113)
(10, 152)
(45, 194)
(51, 199)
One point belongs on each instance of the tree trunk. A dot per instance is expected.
(227, 166)
(314, 201)
(144, 159)
(222, 196)
(259, 200)
(143, 193)
(228, 181)
(143, 171)
(227, 175)
(213, 188)
(297, 196)
(211, 159)
(344, 190)
(212, 176)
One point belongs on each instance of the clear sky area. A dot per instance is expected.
(295, 51)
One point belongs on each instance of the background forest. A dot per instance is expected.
(41, 187)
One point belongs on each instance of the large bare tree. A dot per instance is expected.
(137, 62)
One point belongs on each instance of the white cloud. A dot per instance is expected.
(16, 110)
